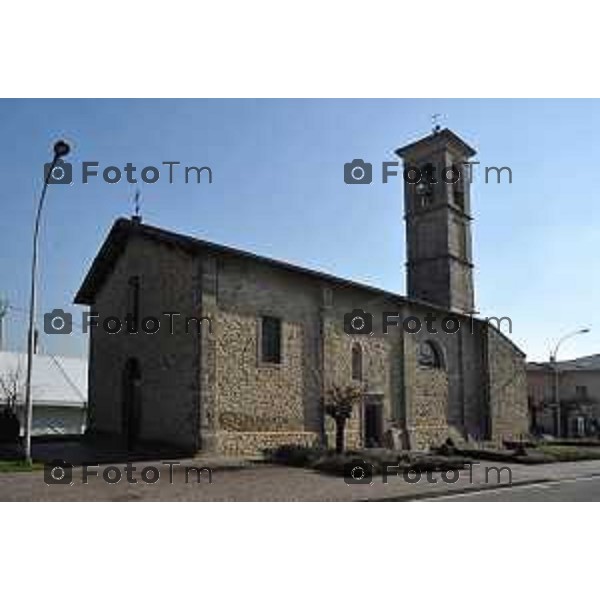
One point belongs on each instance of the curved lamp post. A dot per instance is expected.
(554, 363)
(61, 148)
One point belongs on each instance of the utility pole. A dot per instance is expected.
(61, 149)
(554, 363)
(3, 311)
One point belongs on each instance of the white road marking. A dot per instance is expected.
(507, 488)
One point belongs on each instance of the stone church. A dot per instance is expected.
(257, 343)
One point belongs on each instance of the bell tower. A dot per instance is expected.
(437, 208)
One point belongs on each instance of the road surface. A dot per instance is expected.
(581, 489)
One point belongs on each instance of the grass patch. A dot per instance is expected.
(579, 442)
(542, 454)
(566, 453)
(18, 466)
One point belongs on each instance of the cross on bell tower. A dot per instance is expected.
(137, 216)
(437, 211)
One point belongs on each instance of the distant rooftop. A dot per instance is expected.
(583, 363)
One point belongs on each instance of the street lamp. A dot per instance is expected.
(61, 148)
(554, 363)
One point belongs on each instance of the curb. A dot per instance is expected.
(456, 491)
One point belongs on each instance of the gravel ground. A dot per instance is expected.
(234, 480)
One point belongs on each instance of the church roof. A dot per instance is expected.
(123, 228)
(445, 137)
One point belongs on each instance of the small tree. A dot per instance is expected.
(339, 402)
(9, 393)
(9, 390)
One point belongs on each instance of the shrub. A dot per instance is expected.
(438, 463)
(380, 458)
(519, 446)
(292, 455)
(487, 454)
(333, 463)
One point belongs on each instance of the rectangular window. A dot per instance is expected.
(581, 391)
(271, 340)
(133, 300)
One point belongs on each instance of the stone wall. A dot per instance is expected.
(427, 389)
(381, 377)
(507, 385)
(169, 363)
(212, 392)
(258, 405)
(429, 426)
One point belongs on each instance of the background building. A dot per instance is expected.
(578, 391)
(59, 390)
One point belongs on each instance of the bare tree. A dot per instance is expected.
(9, 390)
(9, 393)
(339, 402)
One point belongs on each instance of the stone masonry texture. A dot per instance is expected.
(211, 392)
(209, 389)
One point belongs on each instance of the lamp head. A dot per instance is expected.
(422, 189)
(584, 330)
(61, 148)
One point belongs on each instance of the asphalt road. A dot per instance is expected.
(581, 489)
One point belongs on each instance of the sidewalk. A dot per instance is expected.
(238, 481)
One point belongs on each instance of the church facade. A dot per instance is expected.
(248, 346)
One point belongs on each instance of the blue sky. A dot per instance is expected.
(278, 190)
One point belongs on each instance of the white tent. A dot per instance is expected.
(59, 390)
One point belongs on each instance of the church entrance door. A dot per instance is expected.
(373, 424)
(131, 402)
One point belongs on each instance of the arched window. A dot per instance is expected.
(430, 355)
(357, 366)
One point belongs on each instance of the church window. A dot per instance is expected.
(271, 340)
(459, 189)
(357, 363)
(430, 355)
(133, 300)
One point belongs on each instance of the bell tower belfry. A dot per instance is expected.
(437, 208)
